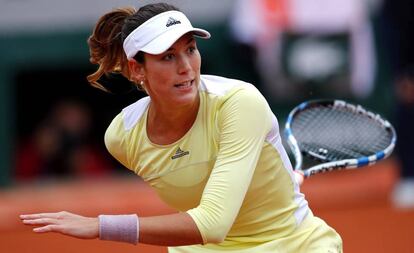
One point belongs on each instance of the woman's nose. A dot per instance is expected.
(184, 64)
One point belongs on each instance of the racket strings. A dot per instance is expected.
(335, 134)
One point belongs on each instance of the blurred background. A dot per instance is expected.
(52, 122)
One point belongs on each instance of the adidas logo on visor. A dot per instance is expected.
(171, 21)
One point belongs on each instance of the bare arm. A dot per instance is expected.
(168, 230)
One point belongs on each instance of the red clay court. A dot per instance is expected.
(356, 203)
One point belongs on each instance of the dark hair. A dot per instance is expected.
(105, 42)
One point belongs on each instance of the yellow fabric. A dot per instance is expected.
(229, 172)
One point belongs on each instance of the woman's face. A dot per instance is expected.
(172, 78)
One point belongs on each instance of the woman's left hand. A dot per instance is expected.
(63, 222)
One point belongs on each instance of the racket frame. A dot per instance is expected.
(340, 164)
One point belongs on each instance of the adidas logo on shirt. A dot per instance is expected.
(171, 21)
(179, 153)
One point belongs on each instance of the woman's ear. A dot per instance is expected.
(136, 70)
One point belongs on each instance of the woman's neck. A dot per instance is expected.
(167, 124)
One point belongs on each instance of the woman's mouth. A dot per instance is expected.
(184, 85)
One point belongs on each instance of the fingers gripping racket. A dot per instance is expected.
(338, 135)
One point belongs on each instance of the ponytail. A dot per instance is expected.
(105, 46)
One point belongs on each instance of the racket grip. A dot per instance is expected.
(299, 177)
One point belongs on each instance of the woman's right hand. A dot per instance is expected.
(65, 223)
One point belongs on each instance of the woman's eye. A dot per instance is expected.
(168, 57)
(192, 49)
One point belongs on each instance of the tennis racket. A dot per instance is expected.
(336, 135)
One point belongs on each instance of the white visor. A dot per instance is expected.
(158, 33)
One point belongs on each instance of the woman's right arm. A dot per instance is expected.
(167, 230)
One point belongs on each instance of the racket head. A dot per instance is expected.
(338, 135)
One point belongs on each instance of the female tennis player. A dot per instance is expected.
(210, 147)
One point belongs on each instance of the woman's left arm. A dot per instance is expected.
(244, 121)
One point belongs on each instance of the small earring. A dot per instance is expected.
(141, 83)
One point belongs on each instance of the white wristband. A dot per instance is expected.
(121, 228)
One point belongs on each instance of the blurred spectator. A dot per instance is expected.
(396, 23)
(302, 42)
(403, 195)
(60, 146)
